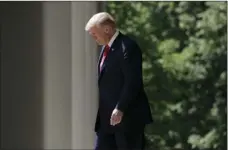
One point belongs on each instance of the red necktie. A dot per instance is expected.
(105, 53)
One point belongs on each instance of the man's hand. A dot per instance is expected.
(116, 117)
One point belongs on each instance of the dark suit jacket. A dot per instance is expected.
(121, 86)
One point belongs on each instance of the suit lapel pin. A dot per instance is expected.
(112, 49)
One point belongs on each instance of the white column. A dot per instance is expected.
(84, 77)
(57, 74)
(70, 82)
(49, 75)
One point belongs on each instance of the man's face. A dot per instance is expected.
(98, 34)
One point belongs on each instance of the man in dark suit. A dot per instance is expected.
(123, 105)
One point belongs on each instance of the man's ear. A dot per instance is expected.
(106, 30)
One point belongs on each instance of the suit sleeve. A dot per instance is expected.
(130, 62)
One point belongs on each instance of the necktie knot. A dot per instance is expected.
(106, 50)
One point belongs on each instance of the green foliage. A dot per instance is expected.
(184, 51)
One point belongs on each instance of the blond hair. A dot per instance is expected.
(102, 18)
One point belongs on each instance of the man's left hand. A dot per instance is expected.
(116, 117)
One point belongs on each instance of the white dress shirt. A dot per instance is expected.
(113, 38)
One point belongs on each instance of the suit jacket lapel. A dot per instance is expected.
(99, 59)
(104, 63)
(112, 48)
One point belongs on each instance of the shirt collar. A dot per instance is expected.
(113, 38)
